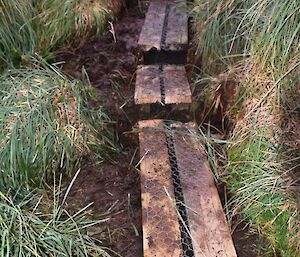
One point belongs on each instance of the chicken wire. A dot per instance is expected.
(186, 240)
(167, 231)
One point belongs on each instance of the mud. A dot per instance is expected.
(110, 62)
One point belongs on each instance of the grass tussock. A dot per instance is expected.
(46, 125)
(39, 27)
(36, 225)
(260, 176)
(254, 47)
(266, 31)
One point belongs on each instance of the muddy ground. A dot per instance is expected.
(110, 61)
(110, 64)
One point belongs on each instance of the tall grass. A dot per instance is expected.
(260, 180)
(40, 226)
(28, 27)
(46, 125)
(17, 35)
(267, 31)
(255, 46)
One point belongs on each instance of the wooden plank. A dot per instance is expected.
(207, 222)
(150, 36)
(171, 14)
(175, 85)
(147, 87)
(161, 234)
(177, 88)
(177, 29)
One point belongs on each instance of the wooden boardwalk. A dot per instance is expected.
(182, 211)
(165, 27)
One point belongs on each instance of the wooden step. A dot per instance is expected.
(165, 84)
(165, 27)
(181, 208)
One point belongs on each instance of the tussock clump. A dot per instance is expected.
(259, 179)
(46, 125)
(262, 162)
(30, 27)
(38, 226)
(70, 22)
(266, 31)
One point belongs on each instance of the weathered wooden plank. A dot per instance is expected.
(151, 33)
(177, 29)
(164, 235)
(147, 87)
(207, 222)
(165, 27)
(167, 84)
(161, 234)
(177, 88)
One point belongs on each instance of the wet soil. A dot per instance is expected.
(115, 193)
(246, 245)
(114, 189)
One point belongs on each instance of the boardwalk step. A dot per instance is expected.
(182, 212)
(165, 27)
(165, 84)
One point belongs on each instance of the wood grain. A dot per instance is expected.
(176, 30)
(151, 33)
(147, 86)
(176, 85)
(206, 219)
(209, 230)
(177, 88)
(161, 234)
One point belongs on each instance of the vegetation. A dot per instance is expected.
(47, 125)
(30, 27)
(46, 128)
(266, 31)
(37, 226)
(254, 47)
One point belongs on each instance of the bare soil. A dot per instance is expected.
(110, 62)
(115, 190)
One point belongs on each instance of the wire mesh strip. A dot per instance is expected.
(186, 240)
(165, 27)
(162, 84)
